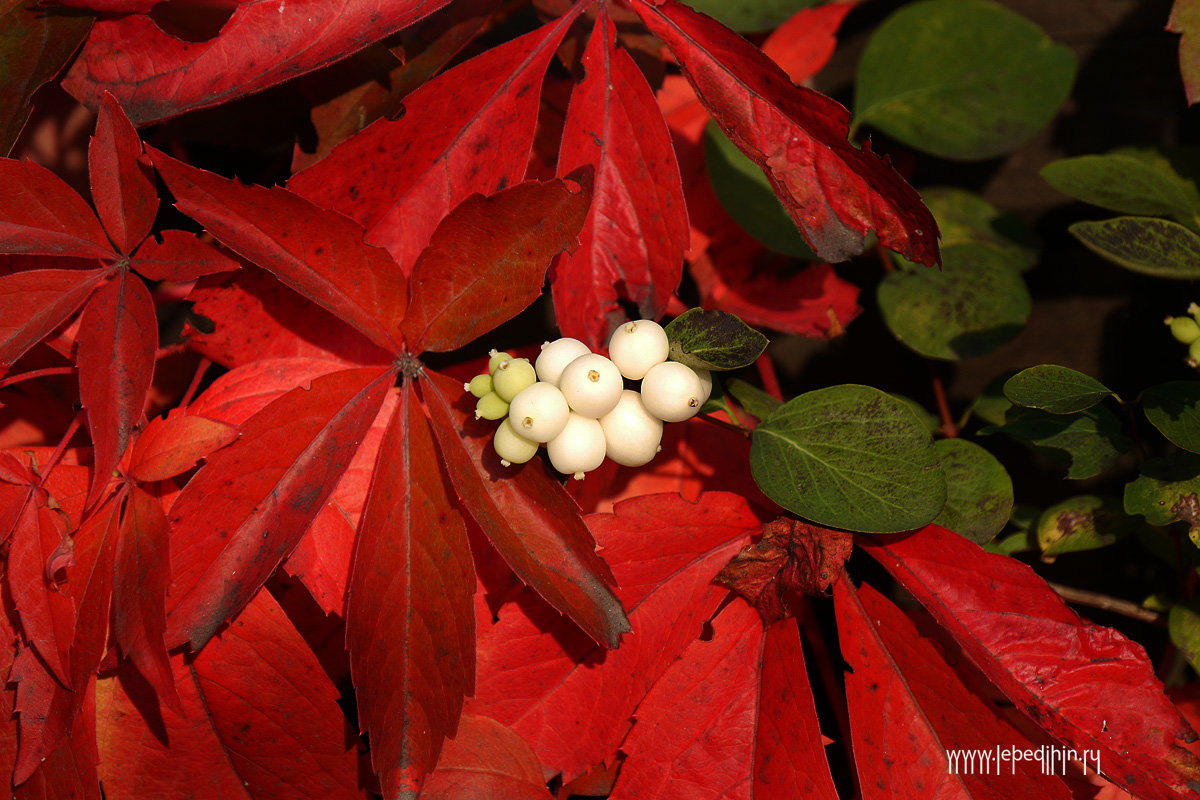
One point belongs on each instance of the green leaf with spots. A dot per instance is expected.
(1148, 245)
(964, 217)
(961, 79)
(1167, 491)
(975, 303)
(748, 16)
(979, 492)
(1128, 182)
(1086, 522)
(1183, 623)
(713, 340)
(850, 457)
(752, 399)
(1174, 408)
(1059, 390)
(1087, 441)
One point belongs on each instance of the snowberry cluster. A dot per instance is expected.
(1187, 331)
(575, 402)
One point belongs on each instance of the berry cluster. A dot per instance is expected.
(1187, 331)
(575, 402)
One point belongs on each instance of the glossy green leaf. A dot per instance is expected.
(1086, 522)
(1167, 491)
(1129, 182)
(966, 218)
(1087, 441)
(1174, 408)
(713, 340)
(1183, 624)
(849, 457)
(746, 16)
(974, 304)
(1148, 245)
(979, 493)
(931, 421)
(1017, 542)
(1056, 389)
(752, 399)
(961, 78)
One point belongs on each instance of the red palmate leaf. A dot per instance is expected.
(1087, 686)
(573, 702)
(637, 229)
(908, 707)
(34, 303)
(487, 261)
(270, 485)
(732, 718)
(486, 761)
(118, 336)
(122, 187)
(155, 75)
(41, 215)
(410, 622)
(242, 392)
(318, 253)
(180, 256)
(467, 131)
(174, 444)
(528, 517)
(260, 720)
(833, 191)
(47, 616)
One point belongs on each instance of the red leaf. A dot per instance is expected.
(122, 187)
(487, 261)
(318, 253)
(1087, 686)
(528, 517)
(47, 615)
(118, 336)
(802, 45)
(722, 722)
(180, 256)
(271, 483)
(833, 191)
(41, 215)
(410, 621)
(143, 573)
(400, 179)
(486, 761)
(174, 444)
(572, 700)
(637, 229)
(34, 303)
(244, 391)
(155, 75)
(260, 720)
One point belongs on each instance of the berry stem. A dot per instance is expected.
(949, 428)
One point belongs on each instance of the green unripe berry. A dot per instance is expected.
(1184, 329)
(511, 376)
(497, 358)
(479, 385)
(491, 406)
(511, 446)
(1194, 352)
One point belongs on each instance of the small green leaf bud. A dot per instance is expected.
(491, 406)
(511, 376)
(479, 385)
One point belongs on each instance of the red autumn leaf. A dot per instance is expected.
(47, 616)
(318, 253)
(34, 303)
(410, 622)
(155, 75)
(41, 215)
(527, 516)
(260, 720)
(833, 191)
(487, 261)
(486, 761)
(733, 717)
(175, 443)
(803, 44)
(242, 392)
(572, 700)
(400, 178)
(271, 482)
(637, 229)
(122, 187)
(1088, 686)
(118, 336)
(908, 708)
(180, 256)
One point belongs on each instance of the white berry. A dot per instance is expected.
(637, 346)
(705, 377)
(556, 355)
(592, 385)
(579, 448)
(511, 376)
(672, 391)
(511, 446)
(631, 435)
(539, 412)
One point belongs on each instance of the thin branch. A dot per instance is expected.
(1104, 602)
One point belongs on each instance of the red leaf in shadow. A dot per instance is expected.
(122, 187)
(486, 761)
(41, 215)
(47, 616)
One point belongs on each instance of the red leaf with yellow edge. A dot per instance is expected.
(260, 720)
(1088, 686)
(41, 215)
(122, 186)
(487, 261)
(173, 444)
(271, 483)
(834, 192)
(410, 619)
(528, 517)
(486, 761)
(180, 256)
(34, 303)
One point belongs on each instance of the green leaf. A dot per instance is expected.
(976, 303)
(931, 421)
(991, 405)
(1087, 441)
(747, 16)
(1056, 389)
(713, 340)
(1167, 491)
(1129, 182)
(961, 79)
(964, 217)
(1174, 408)
(1018, 542)
(1086, 522)
(1148, 245)
(745, 193)
(849, 457)
(1183, 623)
(752, 399)
(979, 493)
